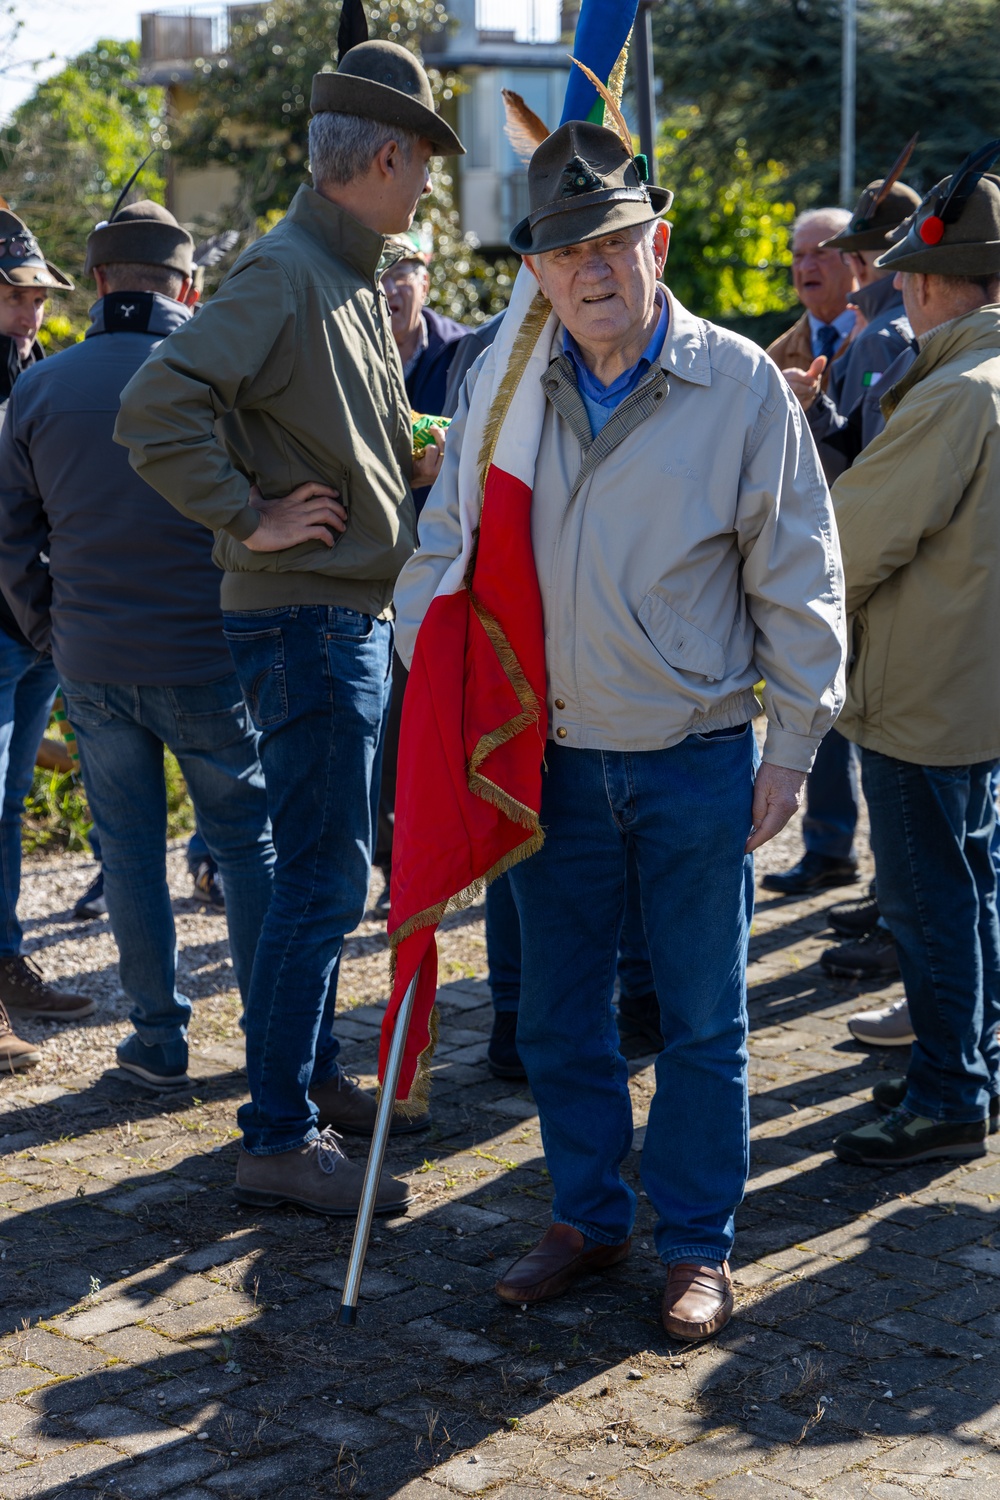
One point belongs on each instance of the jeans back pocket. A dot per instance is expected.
(259, 658)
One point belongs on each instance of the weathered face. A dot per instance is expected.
(603, 290)
(22, 310)
(411, 180)
(822, 278)
(406, 285)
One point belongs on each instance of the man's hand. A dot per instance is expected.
(427, 467)
(308, 514)
(806, 383)
(775, 798)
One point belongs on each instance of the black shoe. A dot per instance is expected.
(901, 1139)
(502, 1057)
(814, 872)
(890, 1093)
(208, 884)
(639, 1026)
(871, 957)
(855, 919)
(92, 903)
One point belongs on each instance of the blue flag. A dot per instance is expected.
(601, 32)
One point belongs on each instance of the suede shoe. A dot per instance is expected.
(14, 1053)
(871, 957)
(889, 1094)
(24, 992)
(162, 1067)
(697, 1300)
(639, 1032)
(317, 1176)
(814, 872)
(502, 1056)
(903, 1138)
(888, 1027)
(559, 1259)
(346, 1108)
(855, 919)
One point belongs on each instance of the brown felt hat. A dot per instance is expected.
(143, 232)
(383, 81)
(868, 230)
(21, 260)
(956, 229)
(582, 184)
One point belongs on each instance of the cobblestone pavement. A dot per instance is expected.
(160, 1341)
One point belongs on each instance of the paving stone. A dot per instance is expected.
(125, 1429)
(54, 1476)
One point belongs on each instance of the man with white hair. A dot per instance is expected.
(823, 281)
(278, 417)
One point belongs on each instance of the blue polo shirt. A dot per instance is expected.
(601, 400)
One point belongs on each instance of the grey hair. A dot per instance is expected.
(342, 147)
(138, 276)
(837, 218)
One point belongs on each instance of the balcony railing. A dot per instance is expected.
(519, 20)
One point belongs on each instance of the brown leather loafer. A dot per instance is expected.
(697, 1302)
(555, 1263)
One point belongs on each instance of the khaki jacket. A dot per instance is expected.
(919, 522)
(792, 350)
(289, 373)
(683, 554)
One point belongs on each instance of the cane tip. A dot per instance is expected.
(348, 1316)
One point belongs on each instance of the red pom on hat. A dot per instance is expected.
(931, 230)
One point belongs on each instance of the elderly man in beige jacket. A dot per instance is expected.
(683, 545)
(919, 519)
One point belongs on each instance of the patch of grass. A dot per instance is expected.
(56, 814)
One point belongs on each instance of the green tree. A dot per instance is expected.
(729, 251)
(251, 112)
(767, 72)
(69, 150)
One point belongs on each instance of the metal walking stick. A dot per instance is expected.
(380, 1136)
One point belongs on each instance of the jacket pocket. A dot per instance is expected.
(681, 644)
(259, 657)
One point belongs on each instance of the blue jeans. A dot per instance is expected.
(503, 945)
(831, 813)
(27, 691)
(318, 684)
(931, 831)
(684, 814)
(121, 732)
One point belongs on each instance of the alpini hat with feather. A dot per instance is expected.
(956, 229)
(882, 207)
(21, 260)
(144, 233)
(380, 81)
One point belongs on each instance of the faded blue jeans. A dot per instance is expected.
(932, 828)
(684, 813)
(27, 690)
(121, 732)
(318, 683)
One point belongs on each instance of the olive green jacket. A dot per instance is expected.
(919, 522)
(289, 373)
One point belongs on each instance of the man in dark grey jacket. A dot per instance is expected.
(128, 603)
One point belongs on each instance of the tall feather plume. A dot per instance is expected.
(618, 121)
(125, 190)
(899, 167)
(353, 27)
(964, 181)
(522, 127)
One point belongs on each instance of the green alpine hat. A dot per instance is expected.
(383, 81)
(583, 183)
(956, 229)
(143, 232)
(21, 260)
(875, 216)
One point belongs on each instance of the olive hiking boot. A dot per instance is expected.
(317, 1176)
(889, 1094)
(903, 1138)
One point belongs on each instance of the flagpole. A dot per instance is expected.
(380, 1138)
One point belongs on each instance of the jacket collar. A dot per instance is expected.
(339, 232)
(685, 348)
(137, 312)
(979, 329)
(877, 298)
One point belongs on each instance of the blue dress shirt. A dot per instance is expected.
(601, 400)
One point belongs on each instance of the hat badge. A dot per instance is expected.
(579, 177)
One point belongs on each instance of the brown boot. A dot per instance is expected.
(698, 1301)
(348, 1109)
(14, 1054)
(556, 1262)
(24, 992)
(317, 1176)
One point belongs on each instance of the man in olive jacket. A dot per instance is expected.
(919, 526)
(278, 417)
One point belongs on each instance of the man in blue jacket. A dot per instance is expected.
(128, 604)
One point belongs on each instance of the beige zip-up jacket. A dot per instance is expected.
(683, 554)
(919, 519)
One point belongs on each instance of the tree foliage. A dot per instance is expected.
(251, 113)
(767, 72)
(69, 150)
